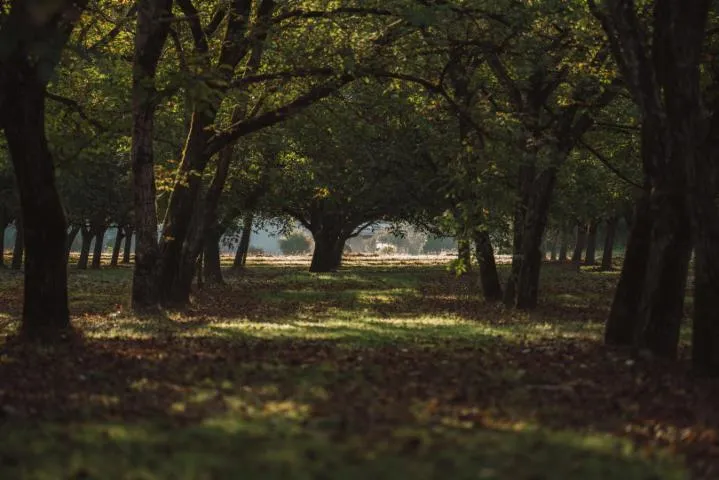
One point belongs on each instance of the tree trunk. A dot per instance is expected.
(244, 246)
(86, 235)
(116, 248)
(127, 252)
(19, 247)
(580, 243)
(152, 30)
(553, 245)
(662, 305)
(608, 252)
(488, 276)
(705, 331)
(563, 245)
(71, 235)
(212, 264)
(3, 225)
(327, 255)
(464, 254)
(45, 309)
(591, 255)
(99, 244)
(624, 314)
(525, 178)
(535, 222)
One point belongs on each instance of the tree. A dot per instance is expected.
(32, 36)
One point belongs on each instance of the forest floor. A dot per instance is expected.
(379, 371)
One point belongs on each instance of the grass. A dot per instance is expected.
(397, 371)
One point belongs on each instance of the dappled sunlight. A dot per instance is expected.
(375, 373)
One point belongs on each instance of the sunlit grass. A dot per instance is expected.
(371, 372)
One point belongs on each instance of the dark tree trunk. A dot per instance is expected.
(608, 252)
(535, 222)
(212, 265)
(19, 247)
(662, 306)
(71, 235)
(591, 255)
(86, 235)
(580, 243)
(152, 30)
(119, 235)
(244, 246)
(705, 332)
(563, 245)
(624, 314)
(327, 255)
(27, 63)
(3, 225)
(488, 276)
(99, 244)
(526, 178)
(127, 251)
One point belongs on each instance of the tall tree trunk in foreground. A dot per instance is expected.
(119, 235)
(608, 253)
(591, 255)
(488, 276)
(153, 27)
(244, 245)
(624, 314)
(18, 251)
(32, 42)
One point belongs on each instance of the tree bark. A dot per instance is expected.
(662, 305)
(71, 235)
(19, 247)
(608, 253)
(127, 251)
(117, 246)
(563, 245)
(464, 253)
(535, 222)
(327, 255)
(99, 244)
(591, 255)
(488, 276)
(3, 225)
(624, 314)
(212, 264)
(580, 243)
(244, 246)
(86, 235)
(152, 31)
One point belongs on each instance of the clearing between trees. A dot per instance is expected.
(377, 371)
